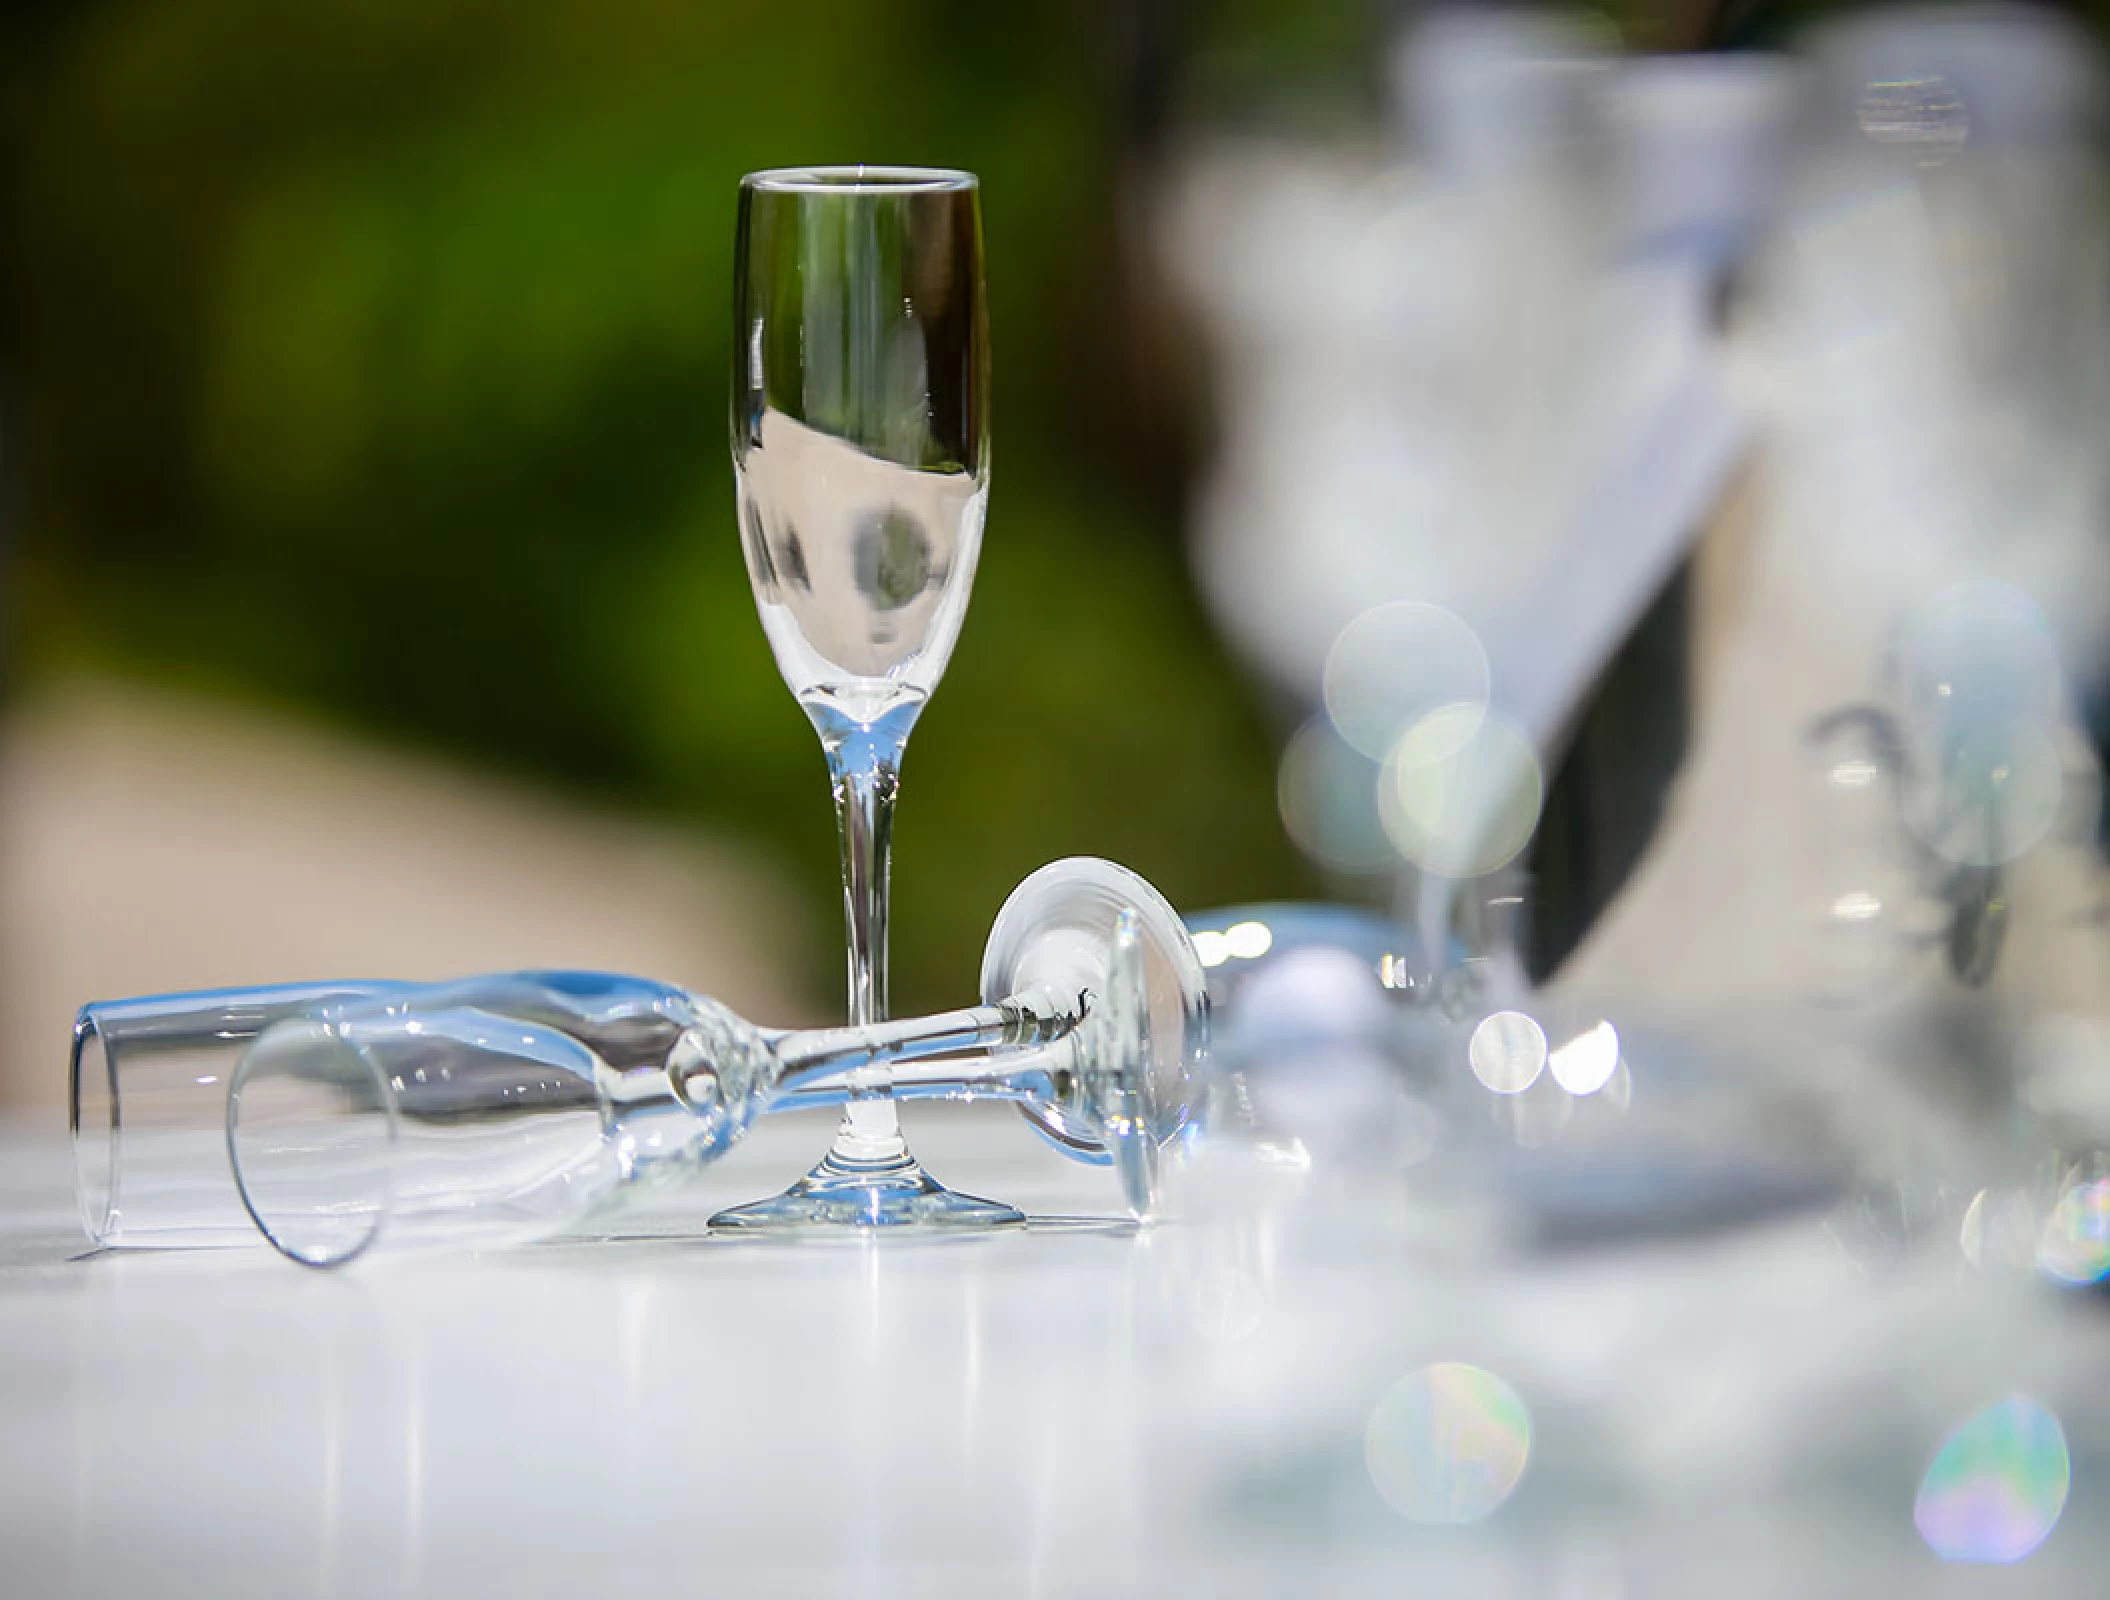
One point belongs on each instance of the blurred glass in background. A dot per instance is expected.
(1662, 496)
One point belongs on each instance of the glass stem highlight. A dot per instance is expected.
(864, 763)
(1011, 1024)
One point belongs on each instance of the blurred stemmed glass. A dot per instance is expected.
(860, 431)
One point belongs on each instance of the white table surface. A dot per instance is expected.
(1069, 1410)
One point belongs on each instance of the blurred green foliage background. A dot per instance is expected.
(368, 358)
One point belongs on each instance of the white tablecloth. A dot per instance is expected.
(1067, 1410)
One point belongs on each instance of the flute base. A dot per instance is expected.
(890, 1196)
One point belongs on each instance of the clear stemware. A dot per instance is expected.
(860, 430)
(519, 1068)
(147, 1103)
(505, 1107)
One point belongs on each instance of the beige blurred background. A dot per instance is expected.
(152, 842)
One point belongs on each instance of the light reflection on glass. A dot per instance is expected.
(2075, 1244)
(1312, 997)
(1999, 1229)
(1585, 1064)
(1997, 802)
(1394, 665)
(1241, 941)
(1460, 792)
(1311, 1026)
(1922, 118)
(1327, 793)
(1983, 698)
(1853, 774)
(1448, 1443)
(1507, 1052)
(1995, 1489)
(1857, 906)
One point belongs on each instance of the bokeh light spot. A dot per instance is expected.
(1995, 799)
(1982, 701)
(1586, 1062)
(2075, 1244)
(1460, 792)
(1999, 1229)
(1853, 774)
(1327, 791)
(1312, 995)
(1995, 1489)
(1448, 1443)
(1248, 941)
(1507, 1052)
(1394, 665)
(1857, 905)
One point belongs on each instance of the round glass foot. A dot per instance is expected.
(1086, 926)
(840, 1194)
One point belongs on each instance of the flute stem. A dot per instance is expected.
(864, 763)
(1029, 1075)
(1009, 1025)
(868, 1178)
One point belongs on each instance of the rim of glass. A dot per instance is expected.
(831, 180)
(377, 1221)
(99, 1135)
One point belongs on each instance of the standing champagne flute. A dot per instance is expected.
(861, 448)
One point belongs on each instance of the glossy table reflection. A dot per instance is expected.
(1259, 1409)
